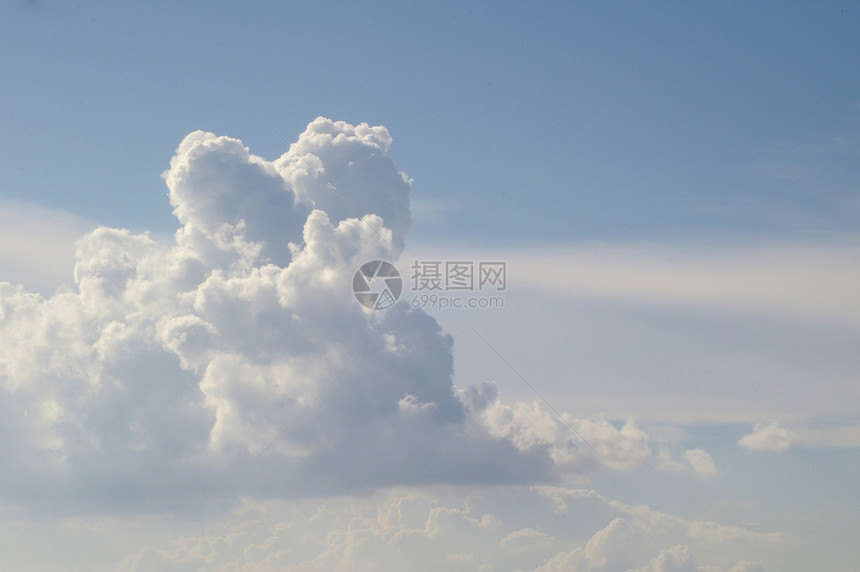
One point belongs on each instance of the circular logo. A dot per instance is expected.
(377, 285)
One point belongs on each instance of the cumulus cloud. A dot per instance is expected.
(674, 559)
(233, 360)
(768, 437)
(527, 425)
(415, 530)
(640, 538)
(524, 539)
(700, 462)
(665, 461)
(771, 436)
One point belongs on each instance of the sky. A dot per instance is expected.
(640, 353)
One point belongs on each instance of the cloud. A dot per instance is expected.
(813, 283)
(524, 539)
(572, 443)
(417, 530)
(768, 437)
(771, 436)
(665, 462)
(700, 462)
(674, 559)
(639, 538)
(37, 245)
(232, 358)
(721, 311)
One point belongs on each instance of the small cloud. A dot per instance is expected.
(665, 462)
(486, 521)
(524, 539)
(700, 462)
(768, 437)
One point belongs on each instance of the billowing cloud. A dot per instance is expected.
(639, 538)
(528, 425)
(233, 360)
(578, 530)
(768, 437)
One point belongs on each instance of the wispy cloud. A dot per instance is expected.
(802, 281)
(37, 245)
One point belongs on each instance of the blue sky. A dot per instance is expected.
(673, 187)
(702, 113)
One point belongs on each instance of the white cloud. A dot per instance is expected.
(232, 359)
(574, 444)
(768, 437)
(724, 349)
(420, 531)
(37, 245)
(665, 462)
(771, 436)
(700, 462)
(674, 559)
(524, 539)
(811, 282)
(639, 538)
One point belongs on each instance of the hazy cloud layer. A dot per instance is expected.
(554, 529)
(813, 282)
(37, 245)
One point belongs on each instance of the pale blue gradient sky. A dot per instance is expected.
(730, 117)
